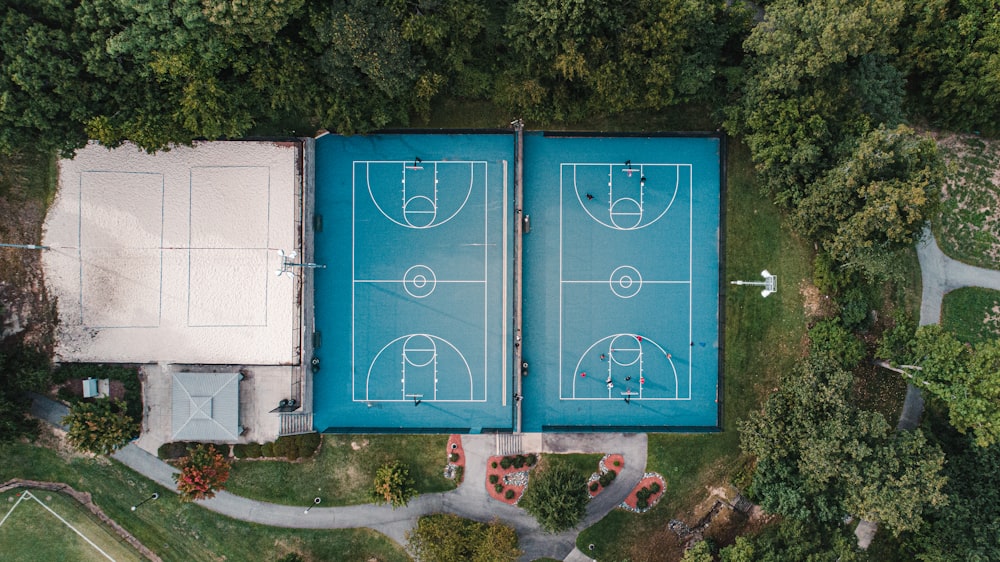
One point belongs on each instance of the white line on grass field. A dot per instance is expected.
(59, 517)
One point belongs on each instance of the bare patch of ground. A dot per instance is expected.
(815, 304)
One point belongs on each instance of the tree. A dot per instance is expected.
(700, 552)
(393, 485)
(968, 528)
(965, 378)
(557, 498)
(792, 540)
(812, 85)
(203, 472)
(830, 339)
(819, 457)
(949, 49)
(446, 537)
(100, 427)
(876, 200)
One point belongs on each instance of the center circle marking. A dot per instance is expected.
(625, 282)
(419, 281)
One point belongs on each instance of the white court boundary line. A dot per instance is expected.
(404, 165)
(689, 282)
(26, 494)
(473, 166)
(639, 170)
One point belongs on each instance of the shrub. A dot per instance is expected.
(509, 494)
(519, 461)
(203, 472)
(252, 450)
(493, 464)
(283, 445)
(594, 486)
(854, 309)
(100, 427)
(654, 487)
(453, 457)
(643, 493)
(641, 503)
(498, 488)
(617, 463)
(267, 449)
(494, 478)
(558, 498)
(830, 339)
(172, 450)
(532, 459)
(393, 485)
(310, 442)
(292, 454)
(240, 451)
(607, 478)
(505, 463)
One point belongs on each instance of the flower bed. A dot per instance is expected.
(507, 477)
(646, 493)
(608, 468)
(456, 459)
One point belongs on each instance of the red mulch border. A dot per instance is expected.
(455, 446)
(649, 478)
(501, 472)
(605, 464)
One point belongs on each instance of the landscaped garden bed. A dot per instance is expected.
(507, 477)
(646, 493)
(607, 470)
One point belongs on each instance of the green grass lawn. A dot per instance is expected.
(340, 474)
(764, 338)
(972, 314)
(32, 532)
(184, 531)
(968, 226)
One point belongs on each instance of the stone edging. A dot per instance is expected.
(85, 499)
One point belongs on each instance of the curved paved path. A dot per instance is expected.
(469, 500)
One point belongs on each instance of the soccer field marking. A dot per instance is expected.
(28, 495)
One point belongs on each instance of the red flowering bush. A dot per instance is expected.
(203, 472)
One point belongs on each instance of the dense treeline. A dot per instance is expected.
(169, 71)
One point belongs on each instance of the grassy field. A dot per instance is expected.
(341, 474)
(183, 531)
(972, 314)
(764, 338)
(968, 226)
(31, 532)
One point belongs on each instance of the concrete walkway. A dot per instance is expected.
(469, 500)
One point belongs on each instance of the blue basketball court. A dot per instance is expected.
(621, 282)
(414, 305)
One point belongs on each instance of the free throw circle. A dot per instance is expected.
(419, 281)
(626, 281)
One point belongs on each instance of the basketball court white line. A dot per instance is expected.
(503, 298)
(689, 282)
(474, 167)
